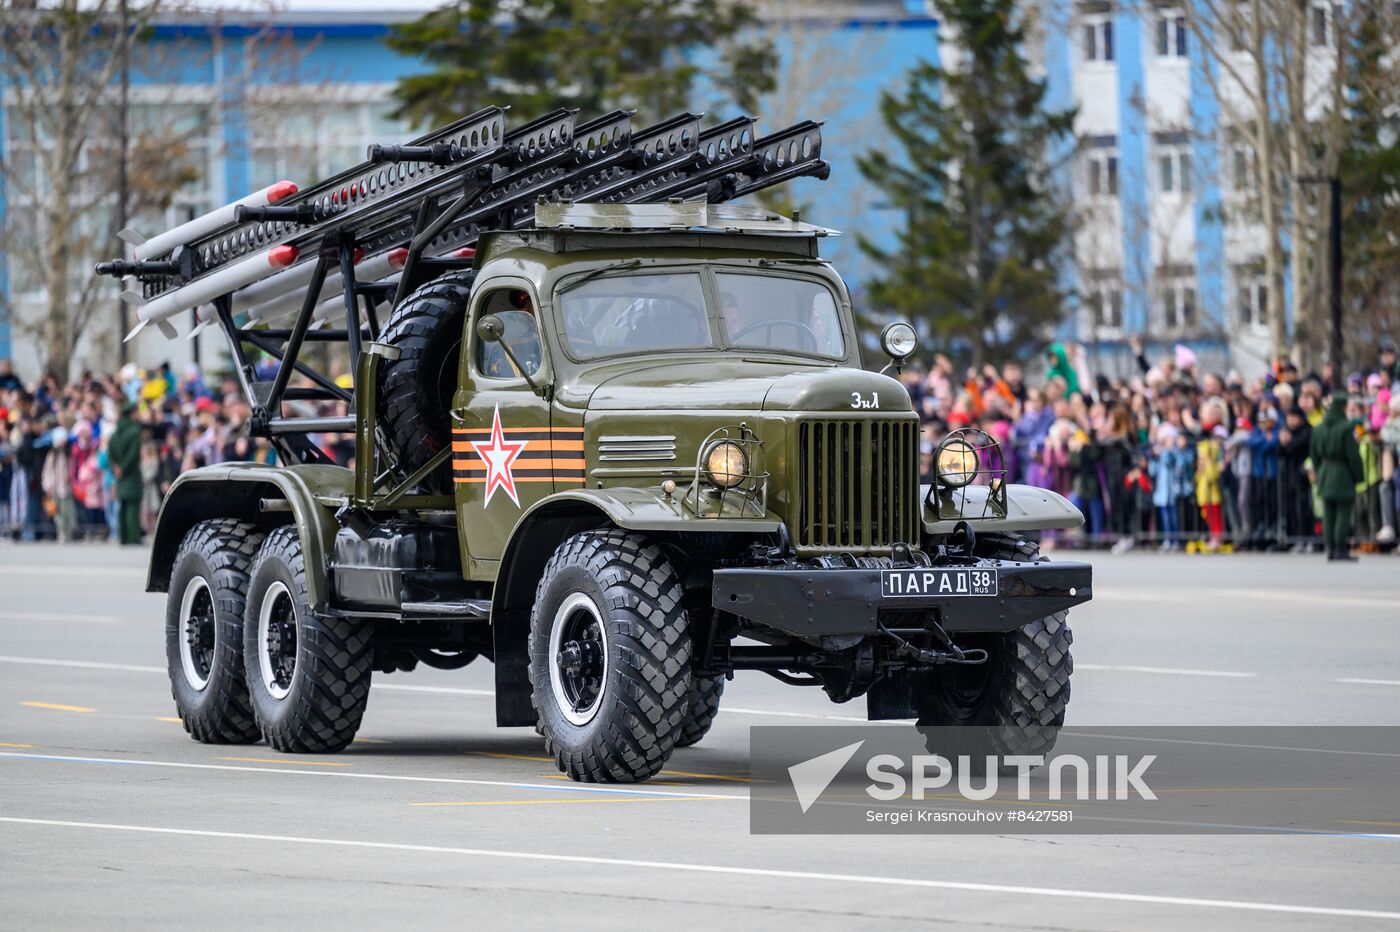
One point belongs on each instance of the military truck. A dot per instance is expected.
(615, 436)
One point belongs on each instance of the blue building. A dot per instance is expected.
(249, 108)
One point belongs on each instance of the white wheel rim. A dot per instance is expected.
(190, 664)
(274, 600)
(578, 610)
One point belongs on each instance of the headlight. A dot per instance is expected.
(726, 464)
(899, 340)
(956, 462)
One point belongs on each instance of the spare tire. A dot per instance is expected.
(415, 390)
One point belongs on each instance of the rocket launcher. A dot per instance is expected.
(288, 251)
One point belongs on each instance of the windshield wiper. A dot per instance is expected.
(589, 276)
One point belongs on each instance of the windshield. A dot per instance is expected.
(625, 313)
(776, 313)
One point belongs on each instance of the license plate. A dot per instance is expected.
(955, 581)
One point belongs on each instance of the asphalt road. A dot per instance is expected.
(111, 818)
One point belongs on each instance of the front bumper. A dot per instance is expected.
(813, 603)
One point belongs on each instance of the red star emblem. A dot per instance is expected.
(498, 454)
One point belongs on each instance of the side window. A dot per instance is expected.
(522, 332)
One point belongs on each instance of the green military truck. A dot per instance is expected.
(614, 435)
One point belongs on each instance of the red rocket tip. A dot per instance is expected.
(281, 191)
(279, 257)
(468, 252)
(398, 258)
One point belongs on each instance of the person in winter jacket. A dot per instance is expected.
(1210, 465)
(1086, 487)
(1166, 473)
(1264, 506)
(1390, 465)
(57, 485)
(1337, 460)
(1294, 488)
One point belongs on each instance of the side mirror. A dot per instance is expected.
(490, 328)
(898, 340)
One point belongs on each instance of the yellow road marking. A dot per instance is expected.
(168, 718)
(1367, 822)
(511, 756)
(540, 802)
(6, 744)
(294, 763)
(57, 707)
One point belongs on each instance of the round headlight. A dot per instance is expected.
(726, 464)
(899, 340)
(956, 462)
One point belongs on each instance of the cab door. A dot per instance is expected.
(502, 451)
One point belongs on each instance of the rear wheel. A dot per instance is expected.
(204, 631)
(609, 657)
(308, 675)
(701, 707)
(415, 393)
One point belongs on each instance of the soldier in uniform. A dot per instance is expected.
(124, 452)
(1337, 461)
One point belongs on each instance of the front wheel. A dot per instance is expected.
(609, 657)
(1017, 698)
(308, 675)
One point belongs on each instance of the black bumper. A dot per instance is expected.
(812, 603)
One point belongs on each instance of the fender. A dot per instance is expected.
(235, 490)
(1028, 508)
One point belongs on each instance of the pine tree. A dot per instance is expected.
(1369, 166)
(976, 265)
(595, 55)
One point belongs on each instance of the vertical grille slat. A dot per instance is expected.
(857, 484)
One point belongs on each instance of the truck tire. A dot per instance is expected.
(701, 707)
(308, 676)
(204, 631)
(415, 390)
(609, 654)
(1020, 695)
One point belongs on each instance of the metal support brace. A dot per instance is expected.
(366, 407)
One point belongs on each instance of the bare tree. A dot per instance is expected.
(69, 141)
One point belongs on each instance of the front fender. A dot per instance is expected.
(235, 490)
(1028, 508)
(650, 510)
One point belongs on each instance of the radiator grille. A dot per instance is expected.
(857, 483)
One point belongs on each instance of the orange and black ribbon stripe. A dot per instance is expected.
(553, 454)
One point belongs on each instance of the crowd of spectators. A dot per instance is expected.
(60, 473)
(1174, 456)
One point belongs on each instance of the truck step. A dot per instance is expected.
(469, 609)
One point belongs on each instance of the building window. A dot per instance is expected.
(1176, 304)
(1101, 173)
(1252, 298)
(1319, 25)
(1103, 300)
(1174, 170)
(1171, 34)
(1098, 39)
